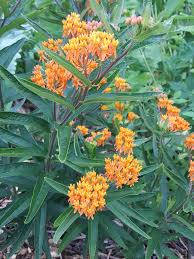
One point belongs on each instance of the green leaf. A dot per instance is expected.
(57, 186)
(64, 140)
(86, 162)
(39, 232)
(62, 216)
(19, 169)
(67, 65)
(38, 28)
(7, 54)
(184, 222)
(75, 229)
(120, 215)
(180, 182)
(17, 207)
(100, 12)
(132, 213)
(171, 7)
(109, 98)
(39, 194)
(183, 230)
(19, 21)
(23, 235)
(45, 93)
(65, 224)
(21, 152)
(113, 231)
(4, 4)
(149, 169)
(117, 12)
(93, 236)
(15, 118)
(8, 136)
(8, 77)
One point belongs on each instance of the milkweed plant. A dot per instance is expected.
(96, 156)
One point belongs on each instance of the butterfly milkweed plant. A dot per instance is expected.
(88, 153)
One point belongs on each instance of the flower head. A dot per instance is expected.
(118, 116)
(122, 170)
(121, 84)
(131, 116)
(88, 195)
(104, 108)
(189, 141)
(191, 170)
(107, 90)
(84, 131)
(101, 136)
(119, 106)
(163, 102)
(124, 141)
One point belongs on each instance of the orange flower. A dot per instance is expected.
(172, 110)
(121, 84)
(163, 102)
(103, 82)
(124, 141)
(119, 106)
(131, 116)
(118, 116)
(189, 141)
(104, 107)
(122, 170)
(191, 170)
(101, 136)
(53, 45)
(84, 131)
(177, 124)
(73, 26)
(107, 90)
(88, 195)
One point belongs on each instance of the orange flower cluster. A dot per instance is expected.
(124, 141)
(104, 108)
(101, 136)
(73, 26)
(171, 115)
(119, 106)
(84, 49)
(131, 116)
(54, 77)
(121, 84)
(107, 90)
(84, 131)
(118, 116)
(122, 170)
(189, 141)
(88, 195)
(191, 170)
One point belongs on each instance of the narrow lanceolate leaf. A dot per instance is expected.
(86, 162)
(39, 194)
(4, 4)
(38, 101)
(93, 236)
(15, 118)
(62, 216)
(39, 231)
(8, 53)
(108, 98)
(57, 186)
(171, 7)
(64, 139)
(75, 229)
(45, 93)
(67, 65)
(149, 169)
(38, 28)
(65, 224)
(8, 136)
(132, 213)
(121, 215)
(20, 239)
(120, 194)
(19, 169)
(100, 12)
(176, 179)
(21, 152)
(117, 12)
(182, 229)
(112, 230)
(184, 222)
(17, 207)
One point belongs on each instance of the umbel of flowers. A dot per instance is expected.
(85, 49)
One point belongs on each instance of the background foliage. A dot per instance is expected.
(158, 209)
